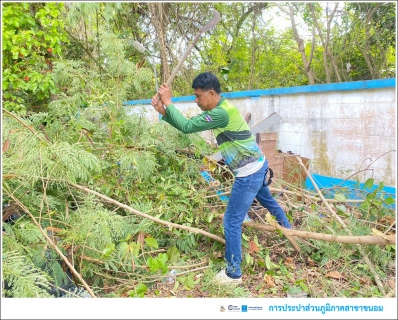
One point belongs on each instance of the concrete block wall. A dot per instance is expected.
(347, 130)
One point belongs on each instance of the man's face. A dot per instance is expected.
(205, 99)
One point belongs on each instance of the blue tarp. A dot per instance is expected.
(350, 188)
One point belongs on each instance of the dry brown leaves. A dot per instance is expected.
(335, 275)
(269, 281)
(290, 263)
(253, 247)
(365, 280)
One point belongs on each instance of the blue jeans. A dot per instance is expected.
(244, 190)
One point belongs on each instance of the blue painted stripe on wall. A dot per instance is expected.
(341, 86)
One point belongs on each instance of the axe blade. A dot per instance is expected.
(260, 127)
(212, 22)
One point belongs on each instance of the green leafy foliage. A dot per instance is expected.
(139, 291)
(23, 278)
(152, 242)
(83, 133)
(187, 281)
(377, 202)
(33, 35)
(138, 163)
(158, 263)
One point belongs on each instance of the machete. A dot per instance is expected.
(260, 127)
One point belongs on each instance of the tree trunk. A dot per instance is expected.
(253, 52)
(365, 50)
(327, 54)
(258, 7)
(364, 46)
(159, 18)
(300, 42)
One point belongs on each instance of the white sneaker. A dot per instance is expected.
(222, 278)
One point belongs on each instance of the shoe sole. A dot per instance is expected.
(234, 283)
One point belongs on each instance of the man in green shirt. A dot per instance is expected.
(242, 155)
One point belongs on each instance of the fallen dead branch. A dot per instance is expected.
(312, 197)
(371, 239)
(296, 233)
(287, 191)
(391, 239)
(339, 220)
(147, 216)
(284, 231)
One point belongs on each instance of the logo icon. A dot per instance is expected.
(222, 309)
(233, 308)
(244, 308)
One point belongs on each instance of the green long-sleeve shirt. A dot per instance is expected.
(237, 144)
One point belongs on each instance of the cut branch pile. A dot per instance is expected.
(303, 203)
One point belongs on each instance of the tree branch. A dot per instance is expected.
(337, 218)
(144, 215)
(390, 239)
(53, 245)
(85, 49)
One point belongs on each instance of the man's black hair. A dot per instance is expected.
(206, 81)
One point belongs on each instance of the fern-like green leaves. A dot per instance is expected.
(88, 136)
(22, 278)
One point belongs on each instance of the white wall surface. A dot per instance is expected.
(341, 132)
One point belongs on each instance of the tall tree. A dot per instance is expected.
(33, 37)
(291, 10)
(159, 18)
(324, 34)
(373, 31)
